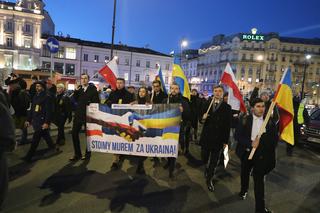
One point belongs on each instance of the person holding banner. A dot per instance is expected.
(119, 96)
(84, 95)
(176, 97)
(142, 98)
(264, 158)
(215, 133)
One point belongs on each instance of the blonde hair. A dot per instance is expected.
(60, 85)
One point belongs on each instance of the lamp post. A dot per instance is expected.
(113, 27)
(260, 59)
(184, 44)
(307, 58)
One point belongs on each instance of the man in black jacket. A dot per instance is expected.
(215, 133)
(264, 158)
(119, 96)
(63, 111)
(40, 116)
(84, 95)
(157, 95)
(7, 141)
(176, 97)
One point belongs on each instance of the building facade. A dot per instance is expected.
(25, 27)
(138, 66)
(261, 57)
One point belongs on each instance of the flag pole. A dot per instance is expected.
(263, 127)
(152, 95)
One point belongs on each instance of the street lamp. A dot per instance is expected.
(307, 58)
(184, 44)
(260, 59)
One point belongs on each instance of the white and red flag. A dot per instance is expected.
(110, 72)
(235, 99)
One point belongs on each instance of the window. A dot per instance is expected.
(9, 26)
(27, 43)
(8, 61)
(147, 64)
(70, 69)
(58, 67)
(137, 78)
(126, 76)
(147, 78)
(85, 57)
(96, 58)
(60, 53)
(168, 66)
(71, 53)
(283, 58)
(45, 51)
(28, 28)
(127, 61)
(46, 65)
(244, 57)
(106, 59)
(251, 56)
(9, 42)
(138, 63)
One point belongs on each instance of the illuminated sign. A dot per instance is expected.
(253, 36)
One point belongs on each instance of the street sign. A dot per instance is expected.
(53, 45)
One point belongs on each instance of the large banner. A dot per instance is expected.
(142, 130)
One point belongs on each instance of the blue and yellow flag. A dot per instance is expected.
(283, 99)
(181, 80)
(160, 78)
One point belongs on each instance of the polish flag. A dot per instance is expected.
(235, 99)
(110, 72)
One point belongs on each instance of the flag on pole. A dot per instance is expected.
(283, 100)
(181, 80)
(159, 77)
(235, 99)
(110, 72)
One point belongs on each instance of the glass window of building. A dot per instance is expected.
(60, 53)
(58, 67)
(138, 63)
(147, 78)
(46, 65)
(9, 26)
(45, 51)
(9, 42)
(70, 69)
(71, 53)
(106, 59)
(127, 61)
(8, 59)
(126, 76)
(27, 43)
(147, 64)
(96, 58)
(167, 66)
(137, 78)
(28, 28)
(85, 57)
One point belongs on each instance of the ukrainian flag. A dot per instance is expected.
(283, 99)
(159, 77)
(181, 80)
(165, 124)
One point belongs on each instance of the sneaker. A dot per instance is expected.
(243, 195)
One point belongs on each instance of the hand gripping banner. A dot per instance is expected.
(141, 130)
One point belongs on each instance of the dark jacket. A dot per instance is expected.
(63, 108)
(216, 128)
(83, 99)
(20, 101)
(195, 106)
(32, 91)
(41, 110)
(186, 114)
(158, 98)
(264, 157)
(7, 130)
(119, 97)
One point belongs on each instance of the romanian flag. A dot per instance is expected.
(160, 78)
(283, 99)
(181, 80)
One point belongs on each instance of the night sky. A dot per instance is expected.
(161, 24)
